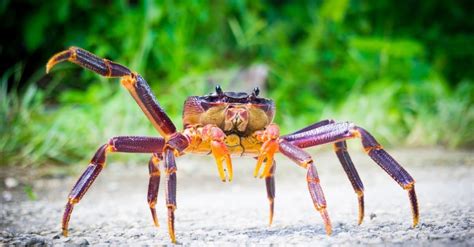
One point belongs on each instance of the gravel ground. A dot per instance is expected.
(115, 212)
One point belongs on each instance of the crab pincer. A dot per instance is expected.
(219, 150)
(269, 137)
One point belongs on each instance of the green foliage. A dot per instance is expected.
(28, 189)
(408, 80)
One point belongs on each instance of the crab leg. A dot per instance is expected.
(125, 144)
(303, 159)
(344, 158)
(313, 126)
(133, 82)
(154, 184)
(270, 185)
(170, 177)
(341, 131)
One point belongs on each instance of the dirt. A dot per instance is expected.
(115, 211)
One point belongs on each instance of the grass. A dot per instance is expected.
(33, 133)
(401, 79)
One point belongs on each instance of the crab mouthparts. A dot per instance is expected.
(236, 119)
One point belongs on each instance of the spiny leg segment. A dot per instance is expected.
(270, 185)
(344, 158)
(170, 194)
(154, 184)
(336, 132)
(126, 144)
(303, 159)
(133, 82)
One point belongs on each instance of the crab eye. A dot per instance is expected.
(256, 91)
(219, 90)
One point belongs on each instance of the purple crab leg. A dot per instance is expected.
(314, 126)
(154, 184)
(133, 82)
(303, 159)
(337, 132)
(170, 168)
(270, 185)
(346, 162)
(352, 174)
(125, 144)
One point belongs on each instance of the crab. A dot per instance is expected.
(225, 124)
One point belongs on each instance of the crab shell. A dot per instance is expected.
(233, 112)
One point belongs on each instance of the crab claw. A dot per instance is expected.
(221, 154)
(267, 152)
(219, 150)
(269, 137)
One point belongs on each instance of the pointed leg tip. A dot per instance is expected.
(60, 57)
(172, 237)
(52, 62)
(360, 219)
(415, 222)
(270, 221)
(328, 230)
(327, 221)
(360, 198)
(65, 232)
(50, 65)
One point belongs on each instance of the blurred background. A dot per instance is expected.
(401, 69)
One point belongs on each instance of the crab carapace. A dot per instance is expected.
(225, 124)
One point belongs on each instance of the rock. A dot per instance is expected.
(372, 216)
(34, 241)
(11, 182)
(82, 242)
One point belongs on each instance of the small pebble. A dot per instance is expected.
(372, 216)
(11, 182)
(82, 242)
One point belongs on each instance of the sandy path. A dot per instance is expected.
(211, 212)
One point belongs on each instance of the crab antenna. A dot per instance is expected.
(256, 91)
(219, 90)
